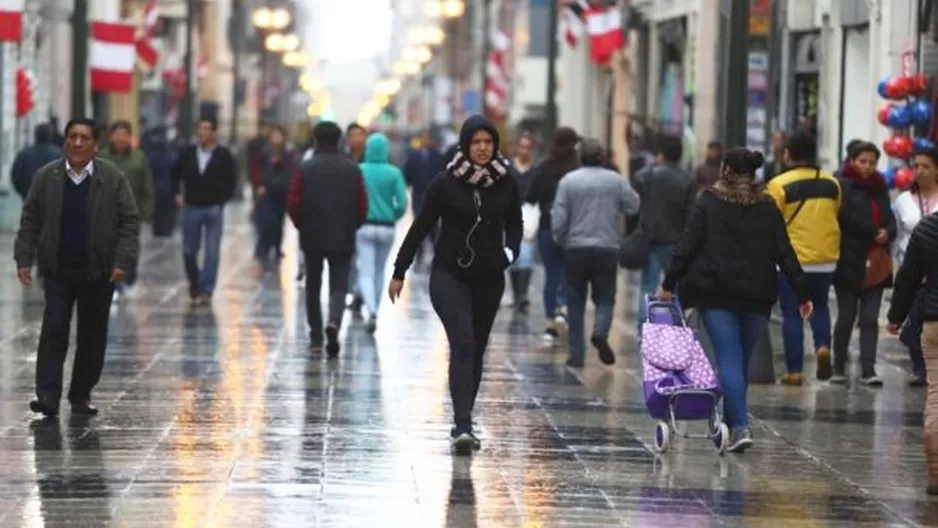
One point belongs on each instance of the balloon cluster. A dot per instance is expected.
(903, 110)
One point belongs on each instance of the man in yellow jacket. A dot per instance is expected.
(809, 200)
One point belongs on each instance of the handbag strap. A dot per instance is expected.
(817, 175)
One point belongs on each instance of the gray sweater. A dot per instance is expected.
(585, 213)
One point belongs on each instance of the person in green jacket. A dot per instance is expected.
(387, 202)
(133, 163)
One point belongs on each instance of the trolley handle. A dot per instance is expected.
(672, 307)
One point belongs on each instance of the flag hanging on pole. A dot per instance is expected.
(112, 57)
(574, 20)
(11, 20)
(144, 42)
(606, 36)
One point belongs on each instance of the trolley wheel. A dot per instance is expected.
(721, 438)
(662, 437)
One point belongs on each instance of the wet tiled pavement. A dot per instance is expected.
(219, 417)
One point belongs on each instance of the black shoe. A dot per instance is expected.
(46, 406)
(574, 363)
(332, 341)
(84, 408)
(606, 355)
(371, 325)
(464, 441)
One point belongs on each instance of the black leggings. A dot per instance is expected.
(467, 311)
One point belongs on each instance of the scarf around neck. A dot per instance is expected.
(462, 168)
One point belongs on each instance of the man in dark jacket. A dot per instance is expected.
(203, 182)
(32, 158)
(327, 203)
(423, 163)
(921, 264)
(667, 196)
(161, 158)
(81, 225)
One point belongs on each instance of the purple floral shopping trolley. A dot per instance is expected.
(679, 382)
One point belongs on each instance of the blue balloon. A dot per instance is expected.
(900, 117)
(923, 143)
(890, 176)
(881, 87)
(921, 112)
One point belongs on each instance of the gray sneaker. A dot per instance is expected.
(740, 440)
(838, 378)
(872, 380)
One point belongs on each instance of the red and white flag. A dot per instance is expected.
(11, 20)
(145, 50)
(574, 21)
(112, 57)
(604, 26)
(498, 81)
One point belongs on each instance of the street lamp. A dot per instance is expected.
(296, 59)
(445, 8)
(267, 19)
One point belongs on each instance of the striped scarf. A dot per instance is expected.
(462, 168)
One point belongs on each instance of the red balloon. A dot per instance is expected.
(897, 87)
(883, 115)
(904, 147)
(904, 178)
(918, 84)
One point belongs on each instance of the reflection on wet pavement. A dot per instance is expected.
(219, 417)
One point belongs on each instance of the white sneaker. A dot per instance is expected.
(838, 379)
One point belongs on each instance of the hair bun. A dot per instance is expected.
(755, 160)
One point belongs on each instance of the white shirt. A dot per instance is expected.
(908, 211)
(76, 177)
(203, 156)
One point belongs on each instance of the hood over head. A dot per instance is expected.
(377, 148)
(472, 125)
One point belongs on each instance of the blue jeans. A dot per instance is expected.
(734, 335)
(525, 260)
(555, 288)
(372, 247)
(195, 219)
(819, 288)
(657, 263)
(593, 271)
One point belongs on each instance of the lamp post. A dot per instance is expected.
(451, 11)
(268, 22)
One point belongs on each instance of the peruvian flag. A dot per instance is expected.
(604, 26)
(25, 91)
(145, 50)
(11, 20)
(112, 57)
(574, 24)
(498, 81)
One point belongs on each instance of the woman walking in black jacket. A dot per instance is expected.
(867, 227)
(561, 159)
(478, 202)
(725, 266)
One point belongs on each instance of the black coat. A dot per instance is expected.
(857, 231)
(727, 256)
(545, 178)
(920, 263)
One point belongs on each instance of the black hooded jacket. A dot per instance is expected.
(468, 253)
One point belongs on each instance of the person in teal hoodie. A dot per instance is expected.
(387, 202)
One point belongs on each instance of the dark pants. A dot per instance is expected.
(593, 271)
(861, 309)
(467, 311)
(819, 288)
(196, 220)
(164, 216)
(93, 299)
(555, 289)
(269, 213)
(911, 334)
(339, 264)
